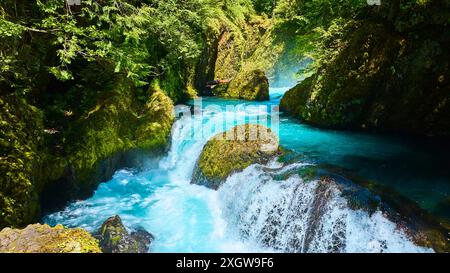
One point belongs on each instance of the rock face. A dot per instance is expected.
(86, 149)
(233, 151)
(39, 238)
(389, 77)
(246, 52)
(114, 238)
(248, 85)
(236, 45)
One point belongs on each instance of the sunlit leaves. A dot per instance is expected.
(9, 29)
(60, 73)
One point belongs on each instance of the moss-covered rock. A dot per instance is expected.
(39, 238)
(236, 46)
(385, 75)
(230, 48)
(114, 238)
(257, 43)
(21, 135)
(225, 45)
(294, 100)
(233, 151)
(248, 85)
(112, 135)
(50, 157)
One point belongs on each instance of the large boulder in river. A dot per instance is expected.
(247, 85)
(114, 238)
(233, 151)
(39, 238)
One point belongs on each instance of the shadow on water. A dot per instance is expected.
(417, 168)
(424, 228)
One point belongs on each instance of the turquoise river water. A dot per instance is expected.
(253, 211)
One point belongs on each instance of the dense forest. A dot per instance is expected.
(86, 89)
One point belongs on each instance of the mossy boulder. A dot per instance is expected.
(237, 50)
(247, 85)
(236, 45)
(39, 238)
(114, 238)
(233, 151)
(294, 100)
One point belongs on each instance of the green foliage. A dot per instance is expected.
(369, 77)
(264, 6)
(87, 71)
(311, 13)
(117, 124)
(140, 40)
(326, 44)
(289, 39)
(314, 21)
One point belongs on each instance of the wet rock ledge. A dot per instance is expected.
(114, 238)
(39, 238)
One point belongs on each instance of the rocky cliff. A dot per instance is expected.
(386, 72)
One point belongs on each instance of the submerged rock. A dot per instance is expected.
(233, 151)
(248, 85)
(114, 238)
(39, 238)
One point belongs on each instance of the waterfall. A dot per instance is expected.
(260, 209)
(297, 216)
(294, 215)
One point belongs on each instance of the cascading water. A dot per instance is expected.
(253, 211)
(294, 215)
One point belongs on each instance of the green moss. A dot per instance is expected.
(248, 85)
(295, 99)
(229, 57)
(20, 137)
(263, 44)
(336, 97)
(379, 80)
(118, 124)
(178, 82)
(232, 151)
(86, 151)
(235, 46)
(155, 124)
(114, 238)
(39, 238)
(256, 51)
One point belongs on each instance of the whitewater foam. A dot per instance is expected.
(293, 215)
